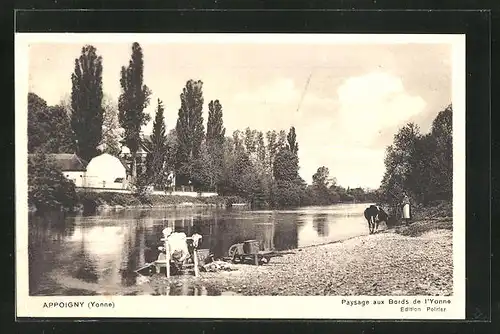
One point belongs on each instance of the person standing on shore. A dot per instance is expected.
(406, 209)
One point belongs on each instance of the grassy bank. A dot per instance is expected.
(95, 200)
(405, 260)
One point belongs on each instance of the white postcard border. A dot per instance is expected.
(288, 307)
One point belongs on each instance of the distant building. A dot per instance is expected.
(141, 154)
(106, 171)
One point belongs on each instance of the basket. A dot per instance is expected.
(251, 247)
(202, 255)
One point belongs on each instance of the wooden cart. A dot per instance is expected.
(249, 252)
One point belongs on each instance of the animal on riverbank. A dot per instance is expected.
(374, 214)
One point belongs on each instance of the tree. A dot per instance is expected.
(189, 128)
(49, 128)
(272, 148)
(286, 194)
(288, 188)
(250, 140)
(171, 145)
(157, 145)
(204, 172)
(238, 142)
(86, 102)
(420, 165)
(111, 131)
(292, 141)
(37, 120)
(244, 178)
(215, 141)
(442, 162)
(286, 167)
(61, 137)
(320, 178)
(261, 149)
(132, 102)
(215, 127)
(323, 194)
(401, 158)
(282, 139)
(228, 154)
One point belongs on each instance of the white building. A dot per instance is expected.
(106, 171)
(72, 166)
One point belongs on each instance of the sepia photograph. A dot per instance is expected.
(156, 168)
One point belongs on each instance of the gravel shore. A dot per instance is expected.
(414, 260)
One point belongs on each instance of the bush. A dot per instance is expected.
(92, 200)
(48, 189)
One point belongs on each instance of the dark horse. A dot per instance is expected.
(374, 215)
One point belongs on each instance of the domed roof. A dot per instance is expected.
(106, 165)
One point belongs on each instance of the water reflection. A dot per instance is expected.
(320, 225)
(87, 255)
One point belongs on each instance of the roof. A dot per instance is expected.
(143, 147)
(68, 161)
(105, 165)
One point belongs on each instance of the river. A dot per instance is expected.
(92, 255)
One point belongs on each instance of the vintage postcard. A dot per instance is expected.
(279, 176)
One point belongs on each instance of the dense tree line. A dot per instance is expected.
(420, 164)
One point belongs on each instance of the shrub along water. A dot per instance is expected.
(48, 189)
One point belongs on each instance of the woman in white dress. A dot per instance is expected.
(406, 208)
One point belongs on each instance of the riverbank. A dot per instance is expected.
(407, 260)
(96, 201)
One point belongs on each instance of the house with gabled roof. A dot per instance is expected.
(73, 167)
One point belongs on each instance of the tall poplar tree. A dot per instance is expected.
(215, 141)
(250, 137)
(189, 128)
(261, 148)
(272, 148)
(215, 127)
(86, 102)
(133, 100)
(157, 146)
(292, 141)
(282, 139)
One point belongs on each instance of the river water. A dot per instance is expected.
(93, 255)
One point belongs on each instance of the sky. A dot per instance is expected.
(346, 101)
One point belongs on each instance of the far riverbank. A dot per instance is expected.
(99, 201)
(90, 201)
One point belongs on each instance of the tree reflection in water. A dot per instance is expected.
(320, 223)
